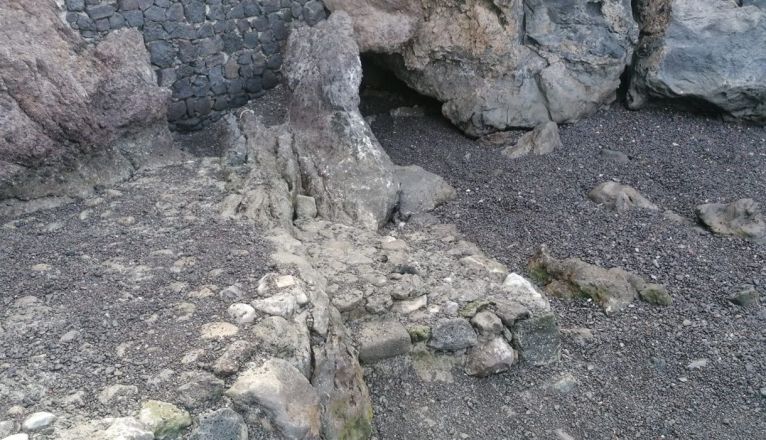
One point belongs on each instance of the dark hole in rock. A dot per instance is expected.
(382, 92)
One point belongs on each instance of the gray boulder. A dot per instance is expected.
(702, 52)
(613, 289)
(742, 218)
(537, 339)
(421, 191)
(339, 381)
(222, 424)
(452, 335)
(382, 339)
(73, 115)
(490, 357)
(544, 139)
(620, 197)
(327, 151)
(499, 65)
(284, 393)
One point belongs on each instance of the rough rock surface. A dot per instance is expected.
(614, 289)
(742, 218)
(702, 52)
(73, 115)
(421, 191)
(497, 65)
(620, 197)
(327, 151)
(544, 139)
(284, 393)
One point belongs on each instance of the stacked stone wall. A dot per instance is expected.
(213, 54)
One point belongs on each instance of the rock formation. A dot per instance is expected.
(613, 289)
(497, 65)
(741, 218)
(702, 52)
(72, 115)
(327, 151)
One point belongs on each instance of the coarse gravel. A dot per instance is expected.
(639, 375)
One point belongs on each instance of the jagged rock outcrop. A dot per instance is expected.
(501, 64)
(72, 115)
(708, 52)
(742, 218)
(613, 289)
(326, 151)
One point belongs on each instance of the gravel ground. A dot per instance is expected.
(632, 376)
(123, 282)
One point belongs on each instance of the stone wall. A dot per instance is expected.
(213, 54)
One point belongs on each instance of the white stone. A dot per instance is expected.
(280, 305)
(241, 313)
(21, 436)
(218, 330)
(116, 392)
(284, 393)
(38, 421)
(523, 291)
(127, 428)
(408, 306)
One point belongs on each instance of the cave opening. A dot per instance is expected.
(382, 92)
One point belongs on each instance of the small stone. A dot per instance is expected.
(7, 427)
(487, 323)
(564, 384)
(697, 364)
(408, 306)
(490, 357)
(164, 419)
(231, 293)
(747, 297)
(620, 197)
(469, 310)
(544, 139)
(419, 333)
(38, 421)
(127, 428)
(199, 389)
(381, 340)
(69, 336)
(305, 207)
(20, 436)
(241, 313)
(236, 354)
(655, 294)
(222, 424)
(218, 330)
(283, 305)
(452, 335)
(116, 392)
(615, 156)
(537, 339)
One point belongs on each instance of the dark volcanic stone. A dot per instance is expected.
(195, 11)
(75, 5)
(223, 424)
(176, 110)
(134, 18)
(162, 53)
(100, 11)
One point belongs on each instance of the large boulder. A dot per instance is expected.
(72, 115)
(709, 52)
(326, 150)
(501, 64)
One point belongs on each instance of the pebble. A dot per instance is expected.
(697, 364)
(242, 313)
(38, 421)
(218, 330)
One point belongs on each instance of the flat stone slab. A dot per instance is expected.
(382, 339)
